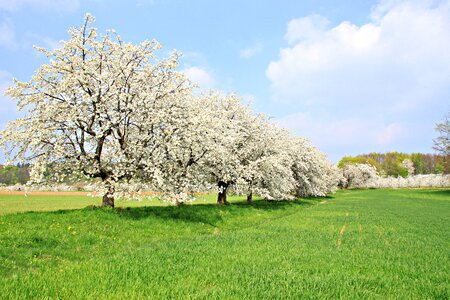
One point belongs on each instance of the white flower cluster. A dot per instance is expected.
(365, 176)
(106, 109)
(41, 187)
(314, 174)
(414, 181)
(358, 175)
(409, 166)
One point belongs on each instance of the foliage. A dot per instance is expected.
(393, 163)
(10, 175)
(365, 176)
(268, 250)
(409, 166)
(359, 160)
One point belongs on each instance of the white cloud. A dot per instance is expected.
(251, 51)
(391, 74)
(407, 47)
(7, 35)
(199, 76)
(310, 27)
(53, 5)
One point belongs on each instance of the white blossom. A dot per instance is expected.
(110, 110)
(102, 106)
(358, 175)
(365, 176)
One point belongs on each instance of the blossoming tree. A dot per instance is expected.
(358, 175)
(185, 167)
(110, 110)
(314, 174)
(265, 165)
(229, 135)
(102, 107)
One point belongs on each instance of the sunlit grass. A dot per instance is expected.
(20, 203)
(356, 244)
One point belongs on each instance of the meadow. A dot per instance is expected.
(354, 244)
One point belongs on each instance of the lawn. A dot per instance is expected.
(19, 203)
(355, 244)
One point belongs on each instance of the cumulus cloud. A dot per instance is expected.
(251, 51)
(54, 5)
(392, 70)
(199, 76)
(408, 46)
(309, 28)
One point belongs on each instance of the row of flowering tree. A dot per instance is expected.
(366, 176)
(103, 108)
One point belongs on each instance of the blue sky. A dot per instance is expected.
(353, 76)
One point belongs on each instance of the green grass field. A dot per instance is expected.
(356, 244)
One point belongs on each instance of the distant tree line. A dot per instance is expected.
(14, 174)
(398, 163)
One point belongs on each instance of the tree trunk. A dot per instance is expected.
(250, 197)
(222, 195)
(250, 193)
(108, 198)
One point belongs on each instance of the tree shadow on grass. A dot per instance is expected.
(271, 205)
(209, 213)
(440, 192)
(206, 213)
(186, 213)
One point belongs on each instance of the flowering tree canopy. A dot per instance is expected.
(106, 109)
(231, 136)
(358, 175)
(313, 173)
(101, 106)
